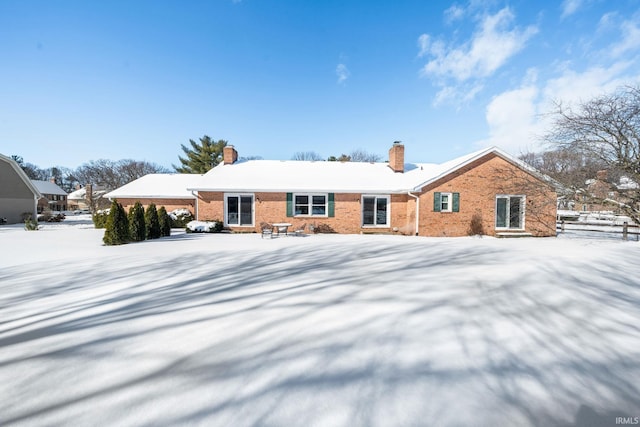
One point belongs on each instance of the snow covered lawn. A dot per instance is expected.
(235, 330)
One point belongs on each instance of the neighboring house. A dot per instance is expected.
(86, 198)
(53, 197)
(168, 190)
(489, 188)
(77, 199)
(18, 195)
(601, 195)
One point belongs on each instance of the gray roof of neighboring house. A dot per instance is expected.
(21, 175)
(48, 187)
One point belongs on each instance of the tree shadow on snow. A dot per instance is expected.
(374, 332)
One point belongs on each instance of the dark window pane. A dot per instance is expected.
(302, 210)
(319, 210)
(246, 210)
(319, 200)
(381, 217)
(501, 212)
(514, 212)
(302, 200)
(232, 210)
(368, 210)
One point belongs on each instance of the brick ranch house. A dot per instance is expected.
(488, 187)
(168, 190)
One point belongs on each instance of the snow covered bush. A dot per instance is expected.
(151, 222)
(117, 228)
(165, 222)
(180, 218)
(100, 218)
(30, 224)
(137, 228)
(204, 227)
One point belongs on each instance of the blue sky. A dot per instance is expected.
(84, 80)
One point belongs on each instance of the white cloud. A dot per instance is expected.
(512, 119)
(424, 41)
(630, 39)
(463, 94)
(517, 118)
(569, 7)
(343, 73)
(494, 42)
(454, 13)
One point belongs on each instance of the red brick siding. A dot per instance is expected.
(272, 207)
(169, 204)
(478, 184)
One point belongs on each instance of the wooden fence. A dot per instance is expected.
(624, 231)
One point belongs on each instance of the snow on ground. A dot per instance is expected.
(202, 329)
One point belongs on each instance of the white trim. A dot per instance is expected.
(253, 209)
(491, 150)
(449, 202)
(375, 197)
(310, 214)
(523, 207)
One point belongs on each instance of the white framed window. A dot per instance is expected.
(510, 212)
(446, 202)
(376, 211)
(310, 204)
(238, 210)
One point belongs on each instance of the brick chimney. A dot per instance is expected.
(229, 155)
(396, 157)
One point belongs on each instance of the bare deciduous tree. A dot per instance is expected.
(606, 129)
(306, 155)
(111, 175)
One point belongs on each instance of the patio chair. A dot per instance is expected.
(299, 231)
(267, 229)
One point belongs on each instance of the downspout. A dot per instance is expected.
(417, 209)
(35, 207)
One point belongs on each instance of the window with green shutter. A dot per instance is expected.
(310, 204)
(446, 202)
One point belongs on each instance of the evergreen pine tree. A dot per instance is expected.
(117, 229)
(202, 156)
(151, 222)
(165, 222)
(137, 226)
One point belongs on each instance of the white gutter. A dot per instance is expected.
(417, 209)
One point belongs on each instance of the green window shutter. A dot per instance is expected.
(436, 202)
(289, 204)
(456, 202)
(332, 205)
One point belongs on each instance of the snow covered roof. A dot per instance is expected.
(78, 194)
(157, 185)
(322, 176)
(627, 183)
(48, 187)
